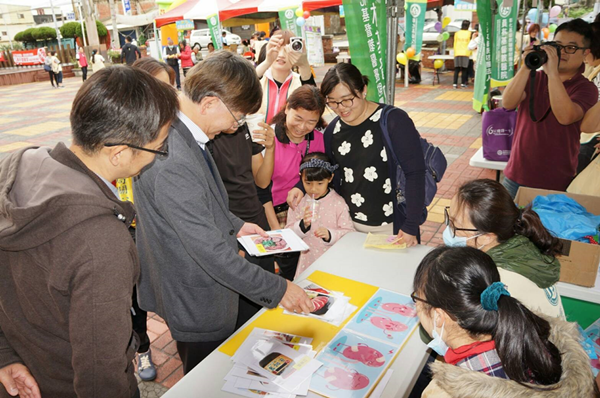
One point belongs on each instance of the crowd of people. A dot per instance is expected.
(81, 266)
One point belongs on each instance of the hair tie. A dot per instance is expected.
(491, 295)
(315, 163)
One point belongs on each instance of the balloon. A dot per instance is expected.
(306, 14)
(440, 38)
(299, 12)
(445, 22)
(410, 52)
(446, 35)
(300, 21)
(554, 11)
(438, 26)
(402, 59)
(552, 28)
(546, 32)
(438, 63)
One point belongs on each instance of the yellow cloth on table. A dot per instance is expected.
(321, 332)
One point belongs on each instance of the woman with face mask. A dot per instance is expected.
(483, 215)
(491, 343)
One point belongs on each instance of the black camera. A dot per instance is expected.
(538, 57)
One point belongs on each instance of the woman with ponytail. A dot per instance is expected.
(492, 344)
(483, 215)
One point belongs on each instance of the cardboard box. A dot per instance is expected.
(579, 262)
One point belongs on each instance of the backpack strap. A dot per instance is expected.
(383, 122)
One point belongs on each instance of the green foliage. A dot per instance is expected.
(69, 29)
(579, 12)
(19, 37)
(27, 35)
(15, 46)
(142, 40)
(44, 33)
(102, 31)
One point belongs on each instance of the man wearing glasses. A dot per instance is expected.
(544, 153)
(192, 275)
(67, 261)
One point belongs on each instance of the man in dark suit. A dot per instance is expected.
(192, 275)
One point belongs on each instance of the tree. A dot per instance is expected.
(44, 33)
(69, 30)
(102, 31)
(19, 37)
(27, 34)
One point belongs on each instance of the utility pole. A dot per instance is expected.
(90, 23)
(113, 18)
(392, 48)
(55, 25)
(81, 22)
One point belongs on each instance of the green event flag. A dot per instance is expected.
(287, 17)
(415, 22)
(215, 31)
(366, 25)
(483, 73)
(505, 25)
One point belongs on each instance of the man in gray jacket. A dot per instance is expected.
(192, 275)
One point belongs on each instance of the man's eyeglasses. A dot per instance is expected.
(416, 298)
(347, 103)
(238, 122)
(570, 49)
(154, 151)
(450, 224)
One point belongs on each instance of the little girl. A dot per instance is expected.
(332, 215)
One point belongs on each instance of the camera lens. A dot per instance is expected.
(297, 46)
(536, 59)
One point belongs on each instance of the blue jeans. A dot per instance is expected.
(511, 186)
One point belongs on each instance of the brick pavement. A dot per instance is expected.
(37, 114)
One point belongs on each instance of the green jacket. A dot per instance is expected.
(520, 255)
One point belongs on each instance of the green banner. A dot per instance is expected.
(415, 21)
(215, 31)
(483, 73)
(505, 25)
(366, 25)
(287, 17)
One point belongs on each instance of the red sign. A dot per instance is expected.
(29, 57)
(2, 58)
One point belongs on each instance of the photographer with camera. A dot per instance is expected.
(551, 104)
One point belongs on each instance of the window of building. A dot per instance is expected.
(4, 33)
(21, 16)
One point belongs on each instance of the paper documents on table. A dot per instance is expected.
(272, 364)
(386, 242)
(329, 306)
(279, 241)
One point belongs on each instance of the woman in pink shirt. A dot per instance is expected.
(83, 63)
(185, 56)
(296, 136)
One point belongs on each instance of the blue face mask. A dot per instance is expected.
(457, 241)
(437, 344)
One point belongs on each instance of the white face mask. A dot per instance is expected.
(437, 344)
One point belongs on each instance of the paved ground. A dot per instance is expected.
(37, 114)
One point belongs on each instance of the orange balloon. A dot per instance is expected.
(546, 32)
(410, 52)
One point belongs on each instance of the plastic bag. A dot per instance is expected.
(566, 218)
(498, 128)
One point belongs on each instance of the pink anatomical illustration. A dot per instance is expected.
(272, 243)
(345, 379)
(396, 308)
(364, 354)
(388, 325)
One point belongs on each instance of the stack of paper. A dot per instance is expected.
(272, 364)
(385, 242)
(279, 241)
(329, 306)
